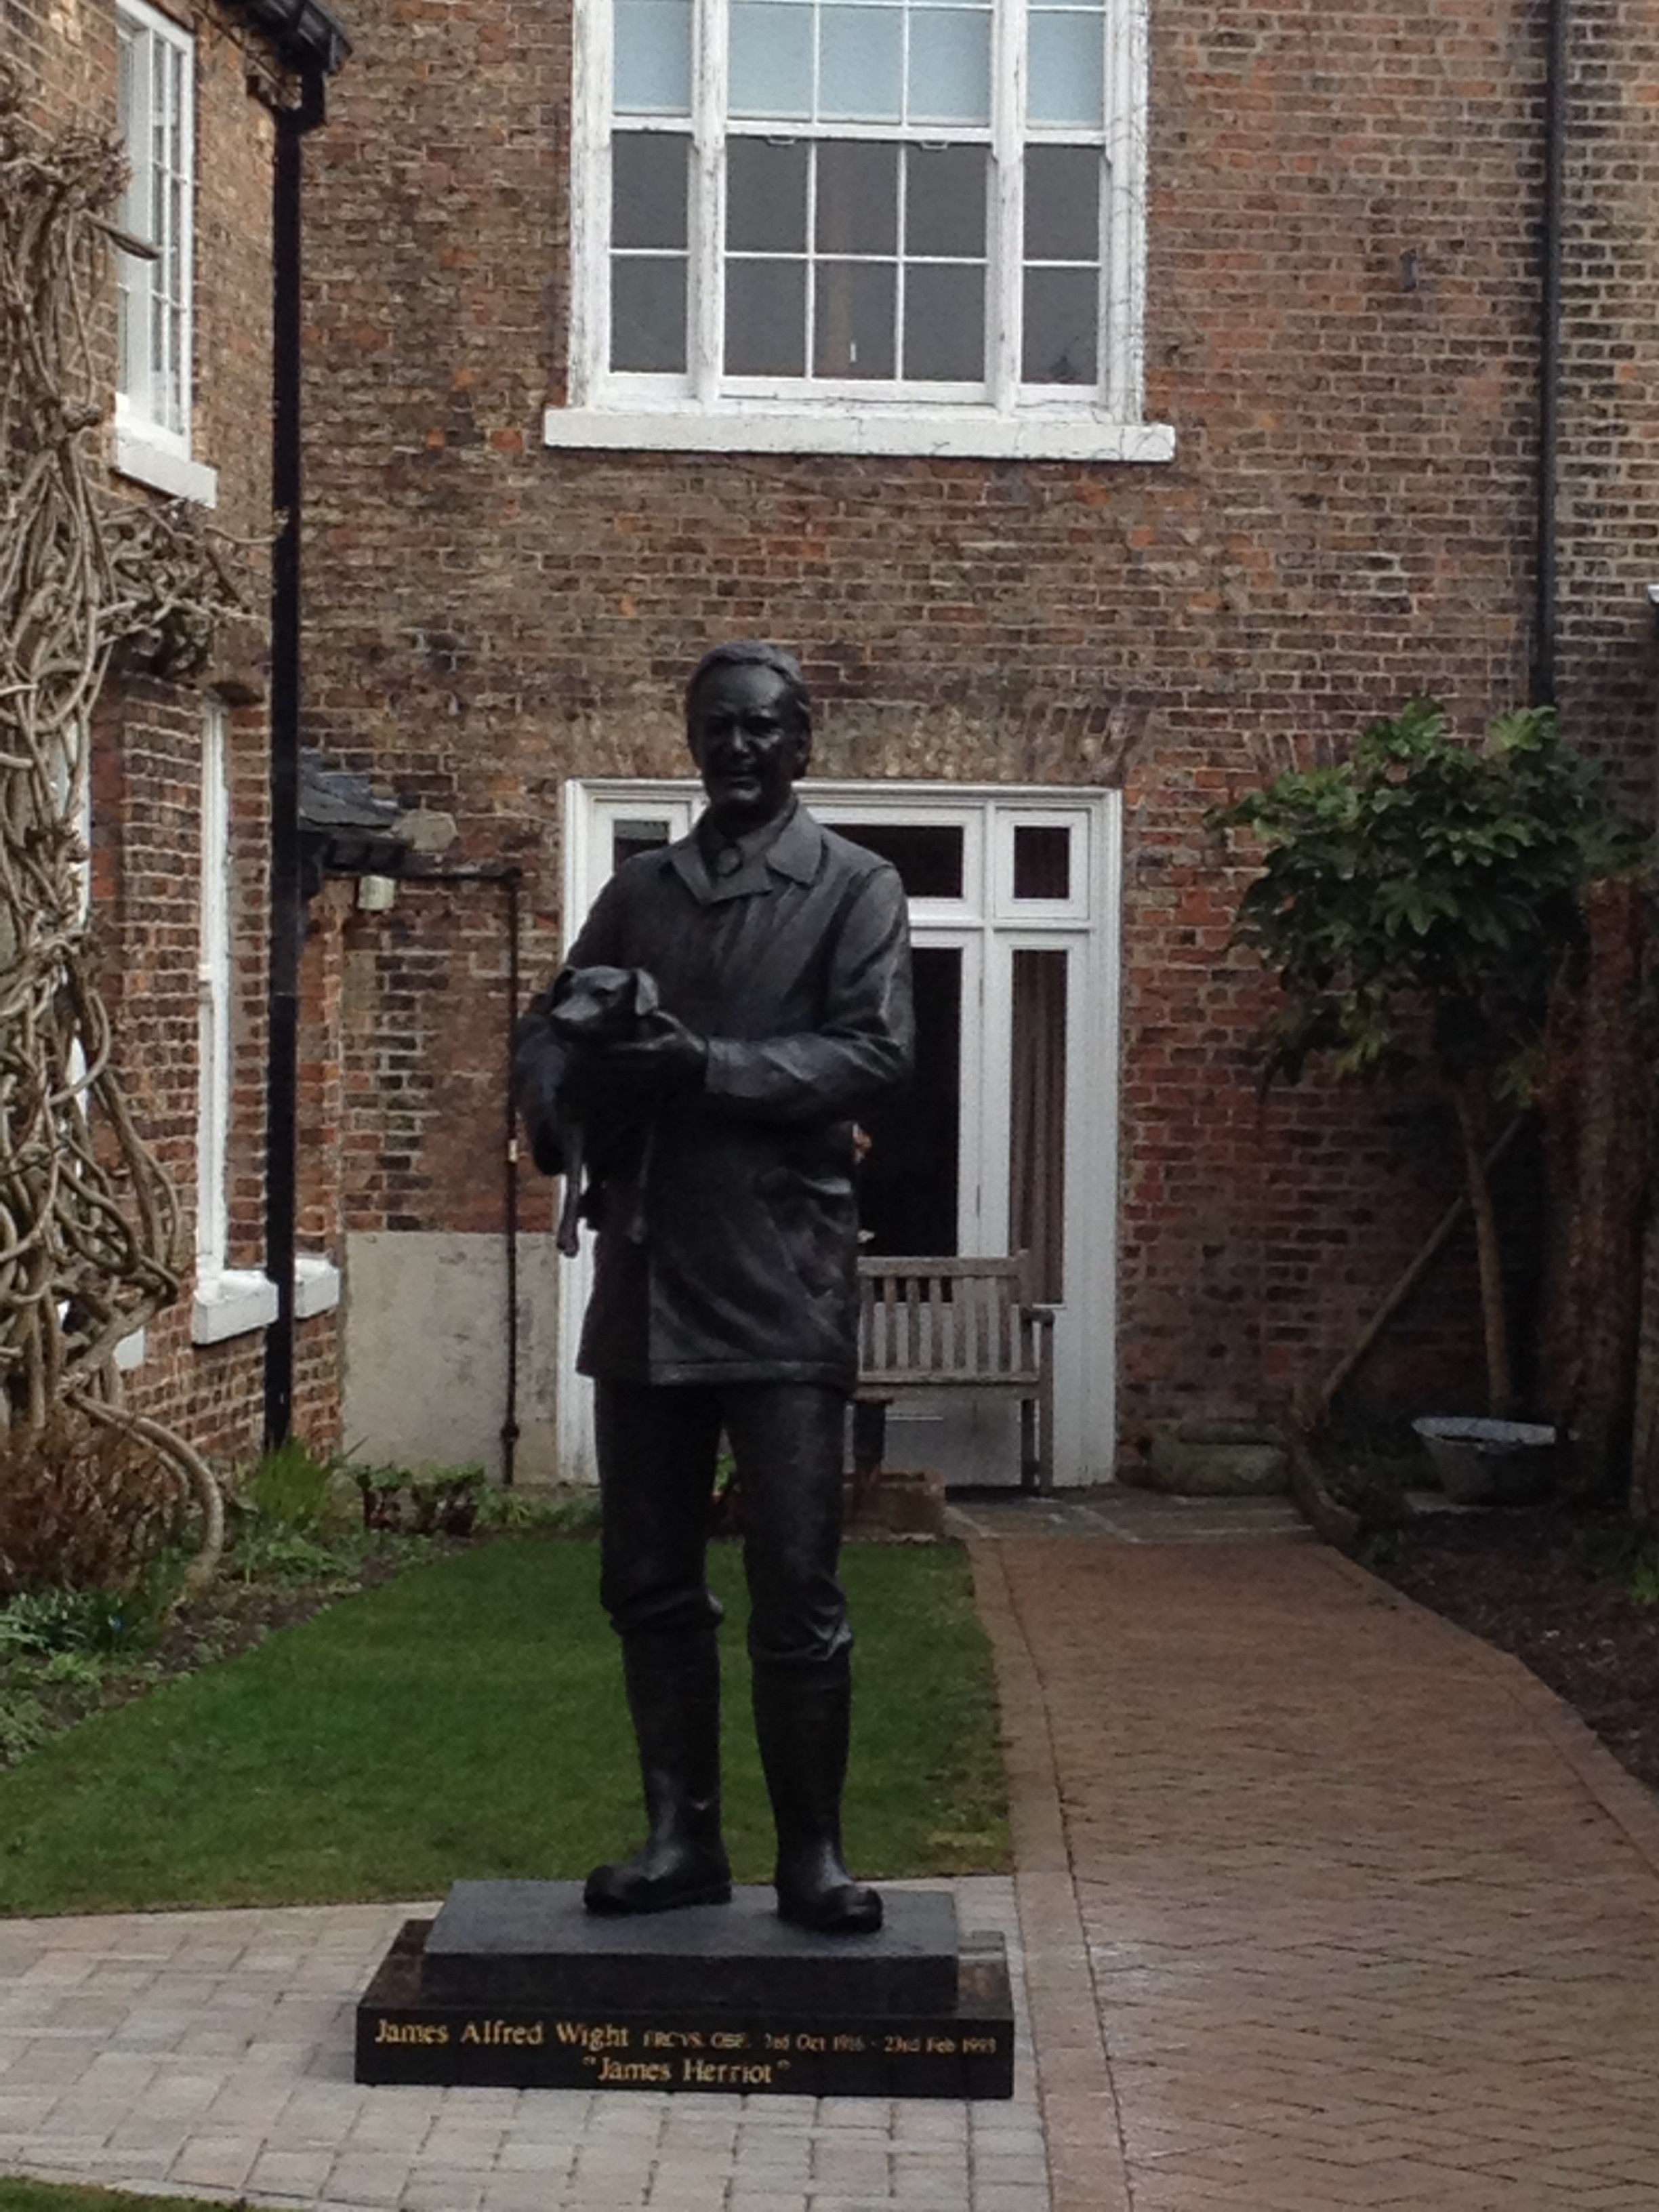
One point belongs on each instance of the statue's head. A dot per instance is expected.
(749, 724)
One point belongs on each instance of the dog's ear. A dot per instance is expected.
(646, 997)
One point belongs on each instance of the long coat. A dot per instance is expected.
(734, 1260)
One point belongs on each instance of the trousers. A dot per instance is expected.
(658, 1445)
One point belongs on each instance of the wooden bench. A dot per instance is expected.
(966, 1324)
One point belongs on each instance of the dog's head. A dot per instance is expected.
(601, 1005)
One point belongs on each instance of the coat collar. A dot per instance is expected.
(796, 851)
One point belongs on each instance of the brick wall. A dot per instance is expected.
(1342, 329)
(1610, 390)
(148, 743)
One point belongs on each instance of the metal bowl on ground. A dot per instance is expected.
(1489, 1462)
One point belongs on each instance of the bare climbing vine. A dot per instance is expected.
(89, 581)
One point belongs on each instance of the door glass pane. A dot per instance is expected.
(860, 63)
(1043, 861)
(853, 332)
(771, 58)
(653, 64)
(765, 197)
(1067, 74)
(766, 318)
(927, 856)
(648, 313)
(950, 66)
(1037, 1140)
(944, 322)
(648, 189)
(1061, 314)
(907, 1184)
(944, 201)
(631, 837)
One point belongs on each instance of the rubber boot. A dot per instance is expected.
(674, 1696)
(803, 1719)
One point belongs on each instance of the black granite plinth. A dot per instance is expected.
(534, 1942)
(660, 2002)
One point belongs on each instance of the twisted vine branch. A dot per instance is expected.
(90, 1220)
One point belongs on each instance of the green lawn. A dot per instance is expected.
(51, 2197)
(468, 1719)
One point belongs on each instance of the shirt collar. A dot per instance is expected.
(790, 847)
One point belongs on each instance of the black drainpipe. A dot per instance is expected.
(1542, 689)
(287, 900)
(510, 879)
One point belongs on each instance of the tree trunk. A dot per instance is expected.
(1499, 1381)
(1597, 1106)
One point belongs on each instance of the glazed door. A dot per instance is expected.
(1006, 1140)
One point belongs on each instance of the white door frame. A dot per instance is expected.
(989, 926)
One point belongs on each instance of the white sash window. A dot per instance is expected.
(882, 225)
(156, 68)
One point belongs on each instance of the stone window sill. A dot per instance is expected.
(316, 1285)
(944, 433)
(148, 462)
(233, 1303)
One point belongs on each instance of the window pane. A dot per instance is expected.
(1067, 70)
(950, 66)
(766, 318)
(944, 322)
(765, 197)
(1061, 308)
(1062, 203)
(858, 198)
(860, 63)
(1042, 860)
(771, 58)
(945, 200)
(927, 855)
(652, 69)
(1037, 1143)
(630, 837)
(854, 318)
(648, 314)
(647, 190)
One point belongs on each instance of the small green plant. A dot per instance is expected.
(1644, 1581)
(1416, 903)
(523, 1512)
(439, 1501)
(24, 1724)
(291, 1488)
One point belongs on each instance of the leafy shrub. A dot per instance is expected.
(83, 1507)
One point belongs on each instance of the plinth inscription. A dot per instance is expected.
(407, 2033)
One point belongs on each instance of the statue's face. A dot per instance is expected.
(747, 741)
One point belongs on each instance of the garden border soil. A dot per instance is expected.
(1574, 1646)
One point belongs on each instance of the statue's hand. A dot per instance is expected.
(666, 1061)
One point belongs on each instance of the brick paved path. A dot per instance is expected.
(210, 2052)
(1370, 1919)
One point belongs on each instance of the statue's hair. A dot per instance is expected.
(752, 653)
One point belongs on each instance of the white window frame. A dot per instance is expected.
(695, 412)
(228, 1301)
(152, 440)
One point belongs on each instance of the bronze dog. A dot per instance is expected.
(587, 1007)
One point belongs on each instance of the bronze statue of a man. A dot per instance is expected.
(721, 1153)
